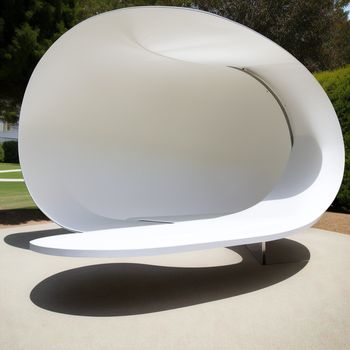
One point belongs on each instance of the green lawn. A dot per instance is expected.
(13, 195)
(9, 166)
(14, 175)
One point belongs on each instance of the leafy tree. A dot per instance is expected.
(337, 49)
(311, 30)
(27, 29)
(89, 8)
(9, 110)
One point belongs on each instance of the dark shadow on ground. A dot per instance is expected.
(21, 216)
(21, 240)
(120, 289)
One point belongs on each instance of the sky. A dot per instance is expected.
(347, 8)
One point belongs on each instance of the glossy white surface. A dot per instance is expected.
(144, 119)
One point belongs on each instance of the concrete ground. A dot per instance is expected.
(213, 299)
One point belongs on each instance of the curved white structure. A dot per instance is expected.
(174, 115)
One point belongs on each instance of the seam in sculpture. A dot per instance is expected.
(260, 80)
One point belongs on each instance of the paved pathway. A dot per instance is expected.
(209, 300)
(11, 180)
(10, 171)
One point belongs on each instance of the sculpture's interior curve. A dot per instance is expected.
(173, 138)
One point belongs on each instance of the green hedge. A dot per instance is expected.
(2, 153)
(10, 152)
(337, 85)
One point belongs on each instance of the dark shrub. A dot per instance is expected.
(2, 154)
(337, 85)
(11, 151)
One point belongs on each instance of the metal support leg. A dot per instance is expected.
(281, 251)
(263, 253)
(259, 251)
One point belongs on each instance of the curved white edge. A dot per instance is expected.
(60, 245)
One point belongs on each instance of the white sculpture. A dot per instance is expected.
(169, 115)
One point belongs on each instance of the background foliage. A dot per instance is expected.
(317, 32)
(10, 149)
(337, 85)
(2, 154)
